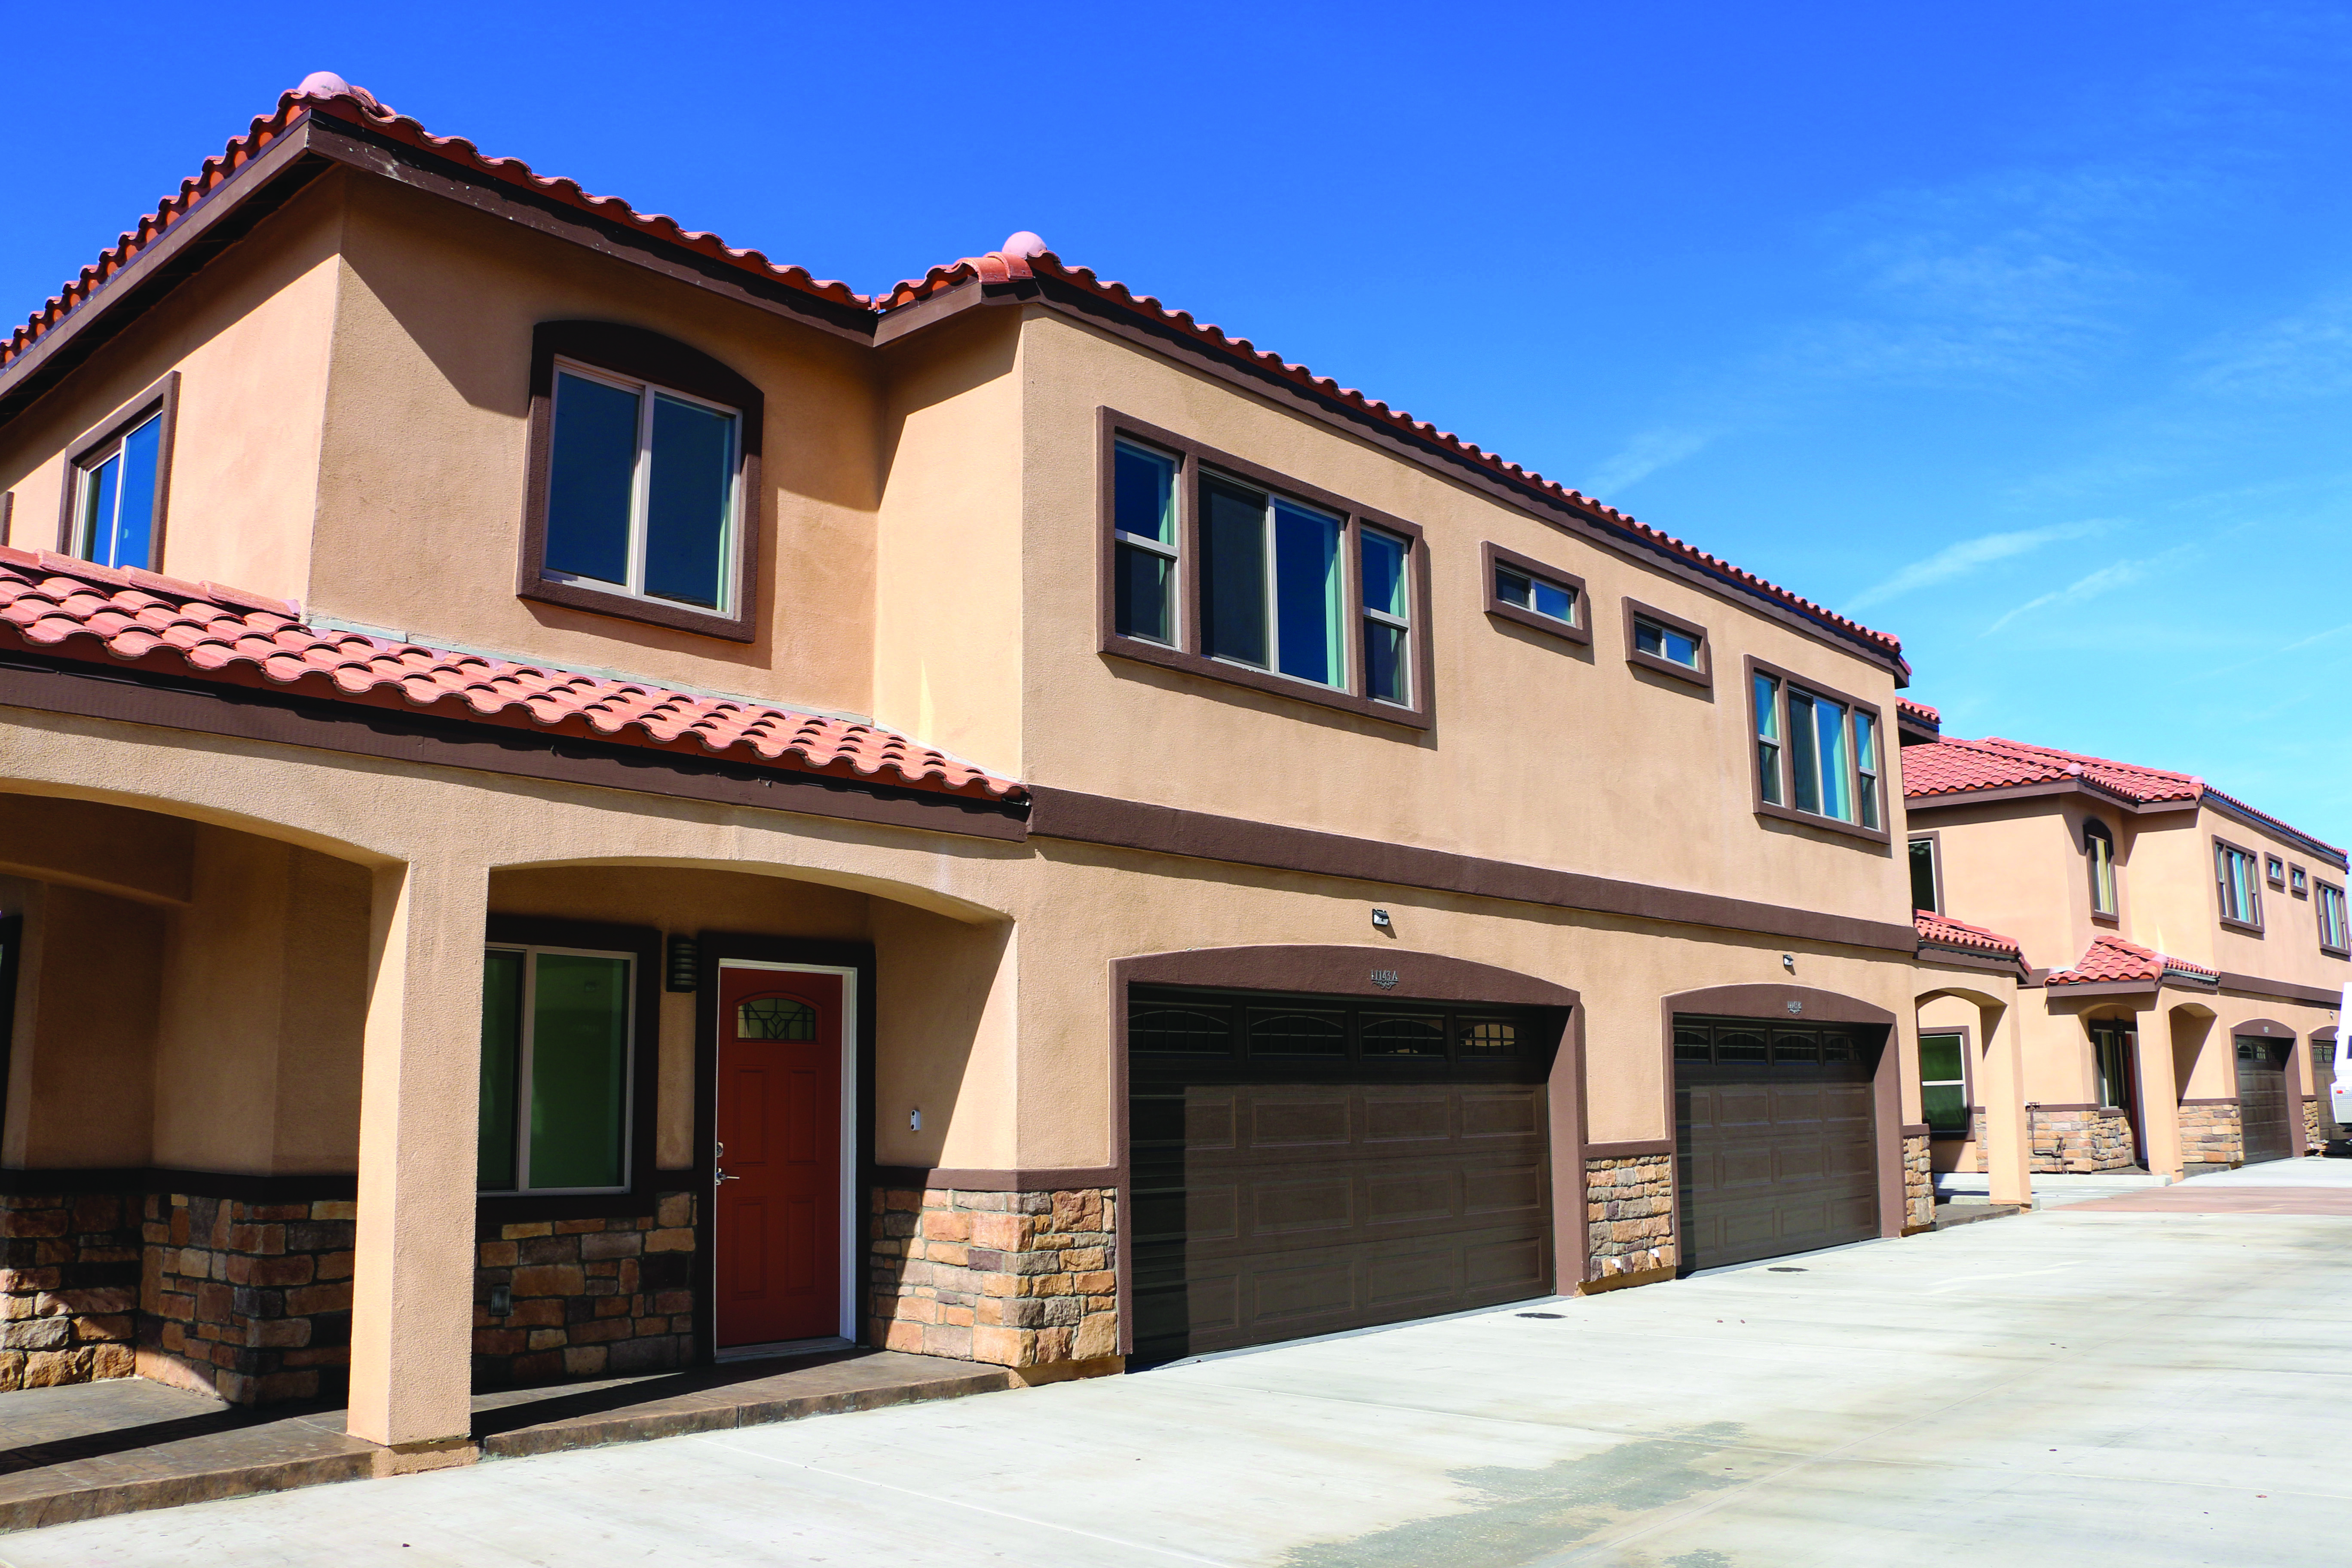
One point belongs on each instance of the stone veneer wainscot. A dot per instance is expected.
(1918, 1183)
(68, 1288)
(2078, 1143)
(248, 1301)
(1628, 1217)
(1026, 1280)
(2212, 1137)
(590, 1298)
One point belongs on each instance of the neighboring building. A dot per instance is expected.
(513, 930)
(2188, 953)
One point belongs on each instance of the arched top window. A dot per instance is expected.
(2099, 852)
(643, 498)
(774, 1018)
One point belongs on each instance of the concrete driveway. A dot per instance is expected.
(2078, 1386)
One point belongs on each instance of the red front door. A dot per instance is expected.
(777, 1207)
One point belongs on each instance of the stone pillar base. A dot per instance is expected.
(1028, 1281)
(414, 1458)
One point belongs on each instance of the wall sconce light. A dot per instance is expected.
(1789, 962)
(685, 964)
(1380, 921)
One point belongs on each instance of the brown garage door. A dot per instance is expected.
(2261, 1098)
(1306, 1164)
(1776, 1132)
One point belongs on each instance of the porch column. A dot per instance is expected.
(2008, 1162)
(412, 1307)
(2159, 1090)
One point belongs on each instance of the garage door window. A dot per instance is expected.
(1174, 1023)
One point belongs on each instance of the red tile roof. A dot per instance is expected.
(1942, 930)
(2111, 960)
(76, 609)
(1918, 710)
(1024, 257)
(1952, 766)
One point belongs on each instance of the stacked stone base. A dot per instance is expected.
(68, 1288)
(1629, 1219)
(585, 1297)
(2316, 1127)
(1026, 1280)
(2212, 1137)
(1918, 1184)
(249, 1302)
(2080, 1142)
(1976, 1140)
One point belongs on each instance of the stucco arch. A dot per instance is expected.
(936, 902)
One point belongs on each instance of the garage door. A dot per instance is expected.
(2261, 1098)
(1776, 1132)
(1306, 1164)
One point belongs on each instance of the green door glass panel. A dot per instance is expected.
(502, 1052)
(580, 1054)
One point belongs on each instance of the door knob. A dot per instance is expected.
(719, 1176)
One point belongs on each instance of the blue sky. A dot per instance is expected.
(2024, 331)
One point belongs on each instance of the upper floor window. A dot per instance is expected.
(1669, 645)
(1216, 567)
(2297, 883)
(2334, 935)
(1819, 757)
(643, 495)
(1527, 592)
(1926, 880)
(2275, 871)
(2239, 885)
(2099, 850)
(556, 1070)
(114, 503)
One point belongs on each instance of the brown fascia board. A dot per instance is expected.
(2284, 989)
(2106, 988)
(1172, 830)
(2248, 817)
(1968, 958)
(1913, 805)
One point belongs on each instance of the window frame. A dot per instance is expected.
(2344, 916)
(160, 400)
(1701, 675)
(1752, 667)
(2253, 926)
(1194, 458)
(2112, 912)
(664, 364)
(1968, 1094)
(2298, 881)
(2274, 870)
(1934, 843)
(642, 945)
(1578, 632)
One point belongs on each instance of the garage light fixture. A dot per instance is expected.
(685, 964)
(1380, 921)
(1789, 962)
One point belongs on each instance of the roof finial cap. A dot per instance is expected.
(1022, 243)
(323, 84)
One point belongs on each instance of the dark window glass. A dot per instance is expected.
(1738, 1044)
(1943, 1089)
(1383, 560)
(1766, 701)
(1403, 1034)
(114, 521)
(1233, 579)
(1664, 642)
(1489, 1037)
(1146, 503)
(1837, 1047)
(689, 501)
(1804, 752)
(1144, 577)
(1691, 1044)
(1525, 593)
(1791, 1048)
(1308, 588)
(1922, 875)
(501, 1055)
(592, 479)
(579, 1066)
(1298, 1032)
(1192, 1028)
(775, 1018)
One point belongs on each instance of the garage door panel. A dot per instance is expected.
(1370, 1187)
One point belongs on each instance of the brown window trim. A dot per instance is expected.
(2298, 881)
(2254, 926)
(641, 356)
(1752, 667)
(644, 944)
(1192, 458)
(1702, 675)
(2094, 829)
(1931, 837)
(2343, 907)
(1578, 631)
(163, 396)
(7, 513)
(2275, 871)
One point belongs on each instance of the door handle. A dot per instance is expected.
(719, 1176)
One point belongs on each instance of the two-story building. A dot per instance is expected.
(573, 800)
(2181, 954)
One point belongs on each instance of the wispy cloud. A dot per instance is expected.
(2118, 574)
(2313, 640)
(1960, 559)
(1642, 456)
(2306, 354)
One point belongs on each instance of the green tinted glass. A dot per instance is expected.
(501, 1049)
(1939, 1058)
(1945, 1107)
(580, 1054)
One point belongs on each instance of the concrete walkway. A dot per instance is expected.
(2072, 1387)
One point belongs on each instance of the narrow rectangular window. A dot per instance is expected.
(1837, 786)
(1866, 767)
(2100, 846)
(1234, 577)
(1664, 642)
(641, 492)
(1804, 752)
(1942, 1083)
(1767, 700)
(1925, 894)
(2111, 1053)
(2274, 870)
(1144, 521)
(1309, 596)
(554, 1112)
(2334, 934)
(1524, 591)
(1388, 643)
(116, 496)
(2239, 882)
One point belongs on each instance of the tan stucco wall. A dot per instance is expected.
(2011, 868)
(249, 337)
(81, 1061)
(1569, 759)
(2180, 903)
(423, 460)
